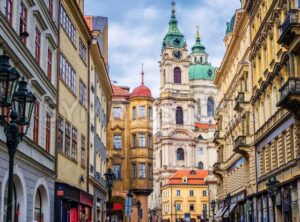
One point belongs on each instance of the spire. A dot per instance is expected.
(173, 4)
(198, 33)
(142, 73)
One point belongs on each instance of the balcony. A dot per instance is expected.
(217, 170)
(218, 136)
(239, 100)
(241, 146)
(290, 29)
(290, 95)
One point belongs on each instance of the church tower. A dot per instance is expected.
(174, 143)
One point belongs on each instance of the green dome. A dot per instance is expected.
(201, 71)
(230, 25)
(198, 47)
(174, 38)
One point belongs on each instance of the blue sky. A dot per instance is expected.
(137, 28)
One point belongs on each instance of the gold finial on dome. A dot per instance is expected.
(198, 31)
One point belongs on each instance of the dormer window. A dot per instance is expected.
(184, 180)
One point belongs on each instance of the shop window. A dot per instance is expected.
(180, 154)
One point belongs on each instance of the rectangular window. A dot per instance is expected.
(23, 23)
(133, 170)
(134, 112)
(149, 141)
(117, 112)
(37, 45)
(51, 7)
(142, 111)
(67, 138)
(117, 171)
(150, 113)
(192, 207)
(142, 140)
(142, 171)
(36, 121)
(74, 143)
(67, 25)
(204, 193)
(118, 142)
(204, 207)
(200, 151)
(133, 140)
(49, 65)
(60, 136)
(9, 11)
(48, 132)
(67, 74)
(178, 206)
(191, 193)
(150, 171)
(178, 193)
(82, 93)
(82, 51)
(82, 150)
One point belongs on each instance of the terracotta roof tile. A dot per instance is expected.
(205, 126)
(194, 177)
(118, 91)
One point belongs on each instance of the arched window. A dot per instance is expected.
(180, 154)
(210, 107)
(274, 99)
(177, 75)
(200, 166)
(179, 115)
(164, 77)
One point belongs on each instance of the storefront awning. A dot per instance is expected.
(228, 211)
(219, 212)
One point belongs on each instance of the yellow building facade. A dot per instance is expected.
(130, 149)
(73, 202)
(185, 196)
(276, 69)
(270, 56)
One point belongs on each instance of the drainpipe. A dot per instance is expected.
(88, 113)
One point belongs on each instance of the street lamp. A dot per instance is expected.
(138, 204)
(213, 204)
(109, 176)
(273, 190)
(18, 106)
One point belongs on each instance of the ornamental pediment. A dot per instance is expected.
(180, 134)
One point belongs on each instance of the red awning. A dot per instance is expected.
(117, 206)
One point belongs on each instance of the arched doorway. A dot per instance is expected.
(19, 200)
(118, 211)
(41, 205)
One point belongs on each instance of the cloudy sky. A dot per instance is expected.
(137, 28)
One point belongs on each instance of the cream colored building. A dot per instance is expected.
(235, 168)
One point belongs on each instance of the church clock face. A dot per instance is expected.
(177, 54)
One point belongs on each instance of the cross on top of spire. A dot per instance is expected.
(173, 6)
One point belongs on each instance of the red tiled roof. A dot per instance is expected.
(194, 177)
(205, 126)
(89, 22)
(142, 91)
(118, 91)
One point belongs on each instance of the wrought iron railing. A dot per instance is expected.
(291, 87)
(240, 141)
(291, 18)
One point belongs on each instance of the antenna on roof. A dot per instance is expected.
(142, 73)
